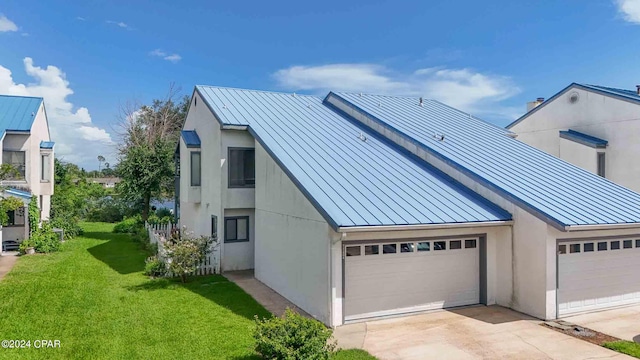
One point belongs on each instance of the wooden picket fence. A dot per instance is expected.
(158, 233)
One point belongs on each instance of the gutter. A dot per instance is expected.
(374, 228)
(619, 226)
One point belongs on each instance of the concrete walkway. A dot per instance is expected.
(6, 264)
(264, 295)
(479, 332)
(623, 323)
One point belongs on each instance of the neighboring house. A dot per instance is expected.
(358, 206)
(594, 127)
(26, 144)
(107, 182)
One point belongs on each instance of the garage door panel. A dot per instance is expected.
(381, 284)
(595, 280)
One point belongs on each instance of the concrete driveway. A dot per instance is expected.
(479, 332)
(623, 323)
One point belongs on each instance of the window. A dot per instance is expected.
(601, 164)
(242, 171)
(588, 247)
(195, 168)
(17, 159)
(470, 244)
(45, 167)
(627, 244)
(615, 245)
(455, 244)
(439, 245)
(424, 246)
(638, 243)
(574, 248)
(371, 250)
(389, 249)
(406, 247)
(214, 227)
(16, 218)
(353, 251)
(236, 229)
(602, 246)
(562, 249)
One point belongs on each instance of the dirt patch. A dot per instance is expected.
(580, 332)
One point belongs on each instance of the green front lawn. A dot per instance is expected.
(626, 347)
(93, 298)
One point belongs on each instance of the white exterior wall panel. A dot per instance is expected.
(292, 247)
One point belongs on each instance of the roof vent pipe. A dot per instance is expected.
(638, 89)
(421, 102)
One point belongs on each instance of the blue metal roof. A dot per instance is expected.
(584, 139)
(191, 138)
(618, 93)
(351, 175)
(47, 144)
(554, 190)
(18, 112)
(627, 94)
(18, 193)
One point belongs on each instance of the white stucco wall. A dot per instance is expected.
(235, 198)
(292, 240)
(605, 117)
(580, 155)
(197, 215)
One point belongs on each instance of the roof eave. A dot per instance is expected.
(593, 227)
(377, 228)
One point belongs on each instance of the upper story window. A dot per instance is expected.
(196, 174)
(601, 164)
(242, 169)
(45, 167)
(17, 159)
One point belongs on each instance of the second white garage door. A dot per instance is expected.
(597, 274)
(407, 276)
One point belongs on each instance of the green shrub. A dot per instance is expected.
(107, 209)
(43, 240)
(185, 252)
(293, 337)
(68, 223)
(164, 213)
(128, 225)
(154, 266)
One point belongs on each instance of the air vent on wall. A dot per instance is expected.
(574, 97)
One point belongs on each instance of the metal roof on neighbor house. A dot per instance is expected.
(562, 194)
(191, 138)
(18, 112)
(609, 91)
(352, 176)
(20, 193)
(47, 144)
(583, 139)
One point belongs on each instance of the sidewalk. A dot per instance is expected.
(6, 263)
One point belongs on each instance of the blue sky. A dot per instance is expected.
(88, 58)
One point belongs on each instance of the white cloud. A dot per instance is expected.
(80, 18)
(77, 139)
(630, 9)
(7, 25)
(174, 58)
(464, 89)
(120, 24)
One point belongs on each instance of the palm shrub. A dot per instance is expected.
(293, 337)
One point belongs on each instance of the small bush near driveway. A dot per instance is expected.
(293, 337)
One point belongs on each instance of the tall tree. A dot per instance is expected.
(100, 161)
(148, 140)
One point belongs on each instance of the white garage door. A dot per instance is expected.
(597, 274)
(407, 276)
